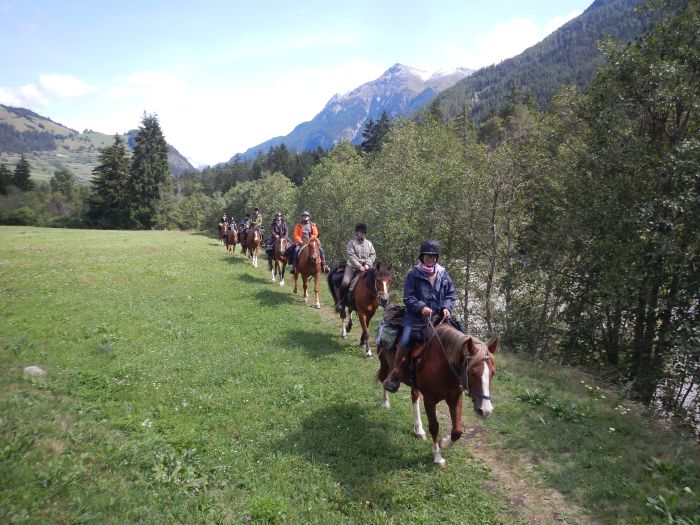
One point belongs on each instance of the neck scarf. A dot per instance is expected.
(426, 269)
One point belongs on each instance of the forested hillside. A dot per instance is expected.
(569, 56)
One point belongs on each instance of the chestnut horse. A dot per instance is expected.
(371, 291)
(447, 365)
(309, 265)
(231, 239)
(253, 241)
(223, 227)
(277, 263)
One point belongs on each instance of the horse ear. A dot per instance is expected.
(378, 265)
(493, 345)
(471, 349)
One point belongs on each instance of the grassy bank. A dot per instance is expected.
(182, 386)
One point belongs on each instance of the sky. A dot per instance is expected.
(223, 76)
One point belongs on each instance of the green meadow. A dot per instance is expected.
(182, 386)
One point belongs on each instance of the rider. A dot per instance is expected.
(223, 218)
(245, 226)
(361, 258)
(427, 290)
(278, 230)
(256, 220)
(303, 231)
(232, 223)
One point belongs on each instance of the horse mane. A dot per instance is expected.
(453, 341)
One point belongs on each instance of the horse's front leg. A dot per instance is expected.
(294, 278)
(317, 304)
(364, 338)
(281, 272)
(417, 422)
(434, 428)
(455, 406)
(305, 285)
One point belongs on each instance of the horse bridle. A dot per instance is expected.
(383, 296)
(464, 376)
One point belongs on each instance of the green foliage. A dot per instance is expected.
(63, 181)
(109, 199)
(149, 183)
(21, 175)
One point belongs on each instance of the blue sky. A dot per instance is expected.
(223, 76)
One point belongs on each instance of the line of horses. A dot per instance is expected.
(445, 366)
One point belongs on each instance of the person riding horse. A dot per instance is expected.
(278, 230)
(256, 220)
(303, 231)
(245, 226)
(223, 218)
(427, 290)
(361, 258)
(232, 223)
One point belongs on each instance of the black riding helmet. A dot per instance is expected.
(361, 227)
(429, 247)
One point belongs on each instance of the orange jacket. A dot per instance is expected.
(298, 231)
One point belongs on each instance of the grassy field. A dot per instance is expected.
(183, 387)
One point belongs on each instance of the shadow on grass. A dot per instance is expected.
(274, 295)
(314, 343)
(230, 259)
(253, 279)
(356, 448)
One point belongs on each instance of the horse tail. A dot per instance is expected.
(331, 287)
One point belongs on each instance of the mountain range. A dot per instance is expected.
(401, 90)
(50, 147)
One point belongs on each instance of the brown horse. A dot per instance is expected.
(223, 227)
(253, 241)
(231, 239)
(309, 265)
(277, 262)
(371, 291)
(447, 365)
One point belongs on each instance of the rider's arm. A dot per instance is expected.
(353, 260)
(297, 234)
(449, 295)
(372, 255)
(410, 299)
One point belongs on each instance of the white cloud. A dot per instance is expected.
(64, 86)
(27, 96)
(504, 40)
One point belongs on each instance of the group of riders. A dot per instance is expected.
(428, 291)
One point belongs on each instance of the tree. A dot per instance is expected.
(149, 177)
(63, 181)
(374, 133)
(22, 174)
(5, 178)
(109, 199)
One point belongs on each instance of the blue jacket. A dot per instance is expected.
(418, 292)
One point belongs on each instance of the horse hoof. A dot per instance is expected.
(368, 355)
(420, 436)
(440, 463)
(281, 283)
(317, 306)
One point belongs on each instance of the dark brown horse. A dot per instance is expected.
(231, 239)
(253, 241)
(309, 265)
(446, 366)
(223, 227)
(371, 291)
(277, 262)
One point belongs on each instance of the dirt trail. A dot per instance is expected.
(523, 487)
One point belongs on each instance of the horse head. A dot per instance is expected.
(314, 247)
(382, 280)
(480, 369)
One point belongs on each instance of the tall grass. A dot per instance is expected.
(183, 387)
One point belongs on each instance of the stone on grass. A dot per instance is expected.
(34, 371)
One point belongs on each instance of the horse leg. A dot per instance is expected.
(294, 278)
(305, 285)
(417, 422)
(343, 331)
(455, 406)
(254, 253)
(434, 428)
(281, 273)
(318, 302)
(364, 338)
(382, 375)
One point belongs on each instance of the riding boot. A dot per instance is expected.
(294, 269)
(324, 266)
(392, 383)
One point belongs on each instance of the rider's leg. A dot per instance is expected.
(347, 277)
(392, 383)
(293, 259)
(324, 266)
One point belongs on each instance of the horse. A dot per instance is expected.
(309, 265)
(280, 259)
(371, 291)
(223, 227)
(253, 241)
(231, 239)
(447, 365)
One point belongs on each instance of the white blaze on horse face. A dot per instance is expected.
(384, 286)
(486, 406)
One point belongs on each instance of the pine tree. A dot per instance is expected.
(22, 174)
(109, 198)
(5, 179)
(150, 179)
